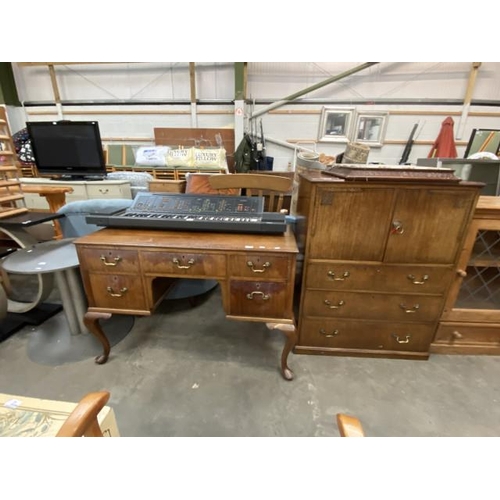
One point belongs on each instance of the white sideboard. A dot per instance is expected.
(82, 190)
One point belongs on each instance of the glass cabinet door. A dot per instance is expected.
(480, 288)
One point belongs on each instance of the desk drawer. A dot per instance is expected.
(354, 334)
(79, 192)
(108, 191)
(398, 307)
(266, 266)
(257, 299)
(184, 264)
(123, 292)
(108, 260)
(381, 277)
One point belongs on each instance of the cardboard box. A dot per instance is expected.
(30, 417)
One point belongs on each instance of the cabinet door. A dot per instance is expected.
(351, 223)
(428, 225)
(475, 293)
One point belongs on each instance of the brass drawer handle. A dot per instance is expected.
(264, 267)
(401, 341)
(190, 262)
(414, 280)
(265, 296)
(114, 263)
(345, 275)
(456, 335)
(410, 310)
(332, 334)
(397, 227)
(331, 306)
(114, 294)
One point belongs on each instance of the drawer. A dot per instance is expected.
(108, 260)
(121, 292)
(258, 299)
(108, 191)
(184, 264)
(373, 335)
(455, 334)
(79, 191)
(384, 306)
(266, 266)
(381, 277)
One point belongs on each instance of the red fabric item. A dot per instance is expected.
(444, 145)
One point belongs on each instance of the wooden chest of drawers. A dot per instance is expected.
(379, 260)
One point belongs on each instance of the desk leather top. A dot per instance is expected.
(150, 238)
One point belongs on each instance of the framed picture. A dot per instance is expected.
(335, 124)
(483, 140)
(370, 128)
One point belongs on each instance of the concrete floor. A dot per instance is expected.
(188, 371)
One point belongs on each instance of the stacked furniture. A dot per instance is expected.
(380, 257)
(122, 157)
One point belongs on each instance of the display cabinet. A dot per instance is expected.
(470, 323)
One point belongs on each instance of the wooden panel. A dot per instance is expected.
(167, 186)
(378, 277)
(191, 136)
(467, 338)
(344, 229)
(433, 224)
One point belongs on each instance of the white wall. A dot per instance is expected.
(162, 91)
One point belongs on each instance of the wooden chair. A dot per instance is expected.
(273, 187)
(349, 426)
(82, 422)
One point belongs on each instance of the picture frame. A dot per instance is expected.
(335, 124)
(370, 128)
(483, 140)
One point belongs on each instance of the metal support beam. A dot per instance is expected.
(55, 89)
(240, 81)
(240, 91)
(192, 85)
(292, 97)
(8, 90)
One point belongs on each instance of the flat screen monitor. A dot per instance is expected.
(70, 149)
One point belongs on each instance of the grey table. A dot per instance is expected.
(15, 227)
(54, 344)
(59, 258)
